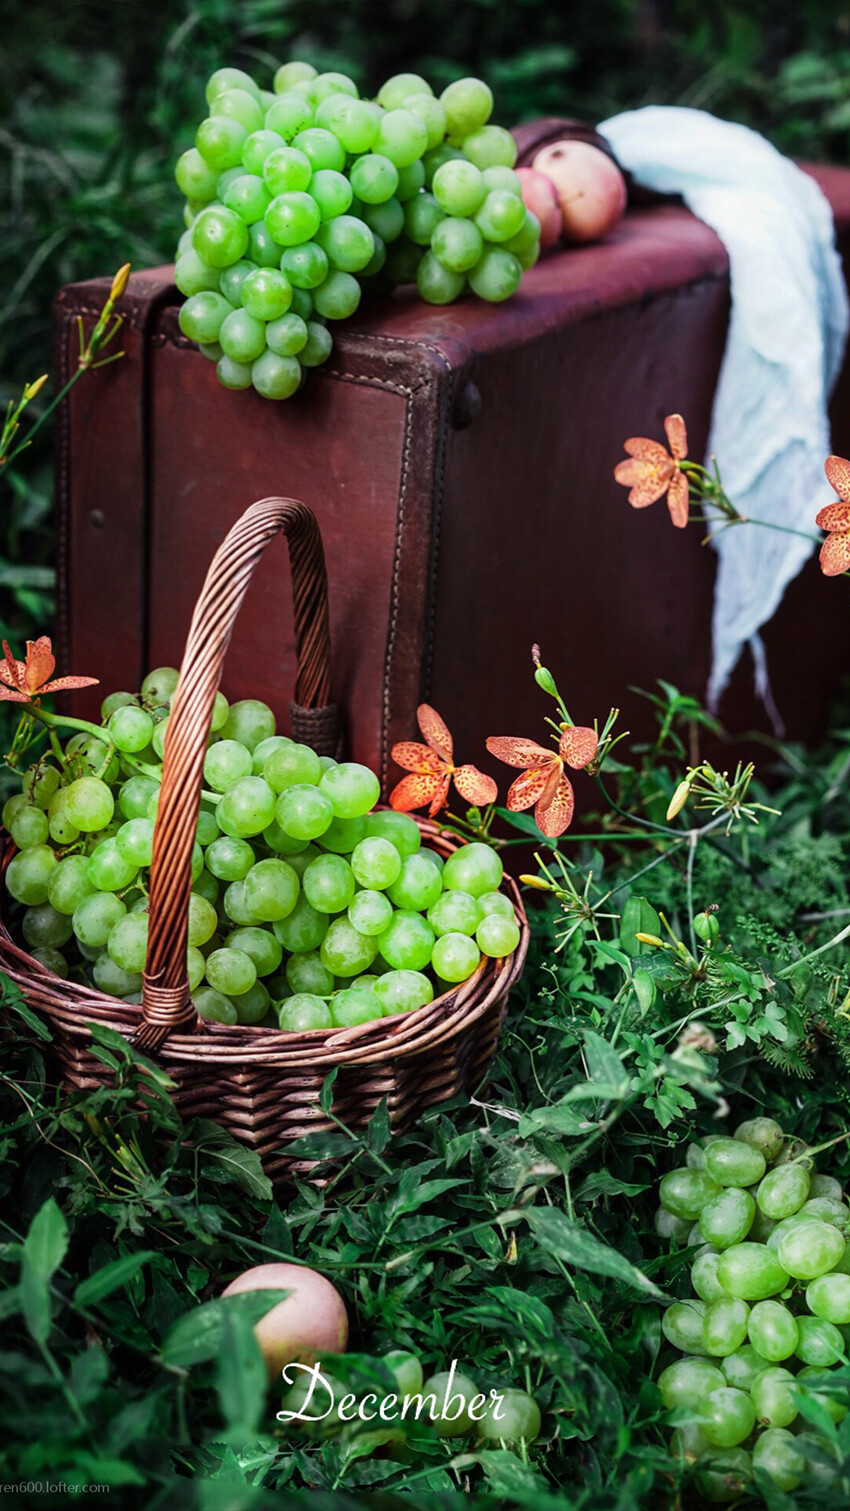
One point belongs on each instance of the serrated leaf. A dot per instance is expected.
(574, 1245)
(196, 1337)
(110, 1277)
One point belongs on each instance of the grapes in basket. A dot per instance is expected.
(310, 908)
(762, 1338)
(297, 197)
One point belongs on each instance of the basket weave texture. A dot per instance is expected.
(261, 1084)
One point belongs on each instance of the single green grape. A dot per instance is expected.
(370, 912)
(496, 275)
(783, 1190)
(763, 1134)
(69, 883)
(401, 991)
(89, 804)
(304, 811)
(684, 1192)
(127, 940)
(687, 1381)
(513, 1418)
(214, 1006)
(322, 149)
(727, 1218)
(819, 1342)
(452, 1394)
(344, 951)
(289, 117)
(810, 1248)
(242, 340)
(308, 973)
(353, 1006)
(220, 237)
(247, 808)
(751, 1271)
(734, 1163)
(304, 1012)
(773, 1331)
(303, 930)
(455, 957)
(276, 377)
(134, 841)
(828, 1297)
(407, 943)
(774, 1398)
(724, 1326)
(775, 1452)
(497, 937)
(490, 147)
(742, 1367)
(468, 105)
(271, 889)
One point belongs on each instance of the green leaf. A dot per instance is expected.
(606, 1070)
(558, 1118)
(603, 1183)
(638, 917)
(378, 1131)
(46, 1243)
(110, 1277)
(196, 1337)
(241, 1378)
(575, 1246)
(238, 1163)
(608, 952)
(31, 1019)
(645, 990)
(326, 1094)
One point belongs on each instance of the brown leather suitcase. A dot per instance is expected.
(460, 463)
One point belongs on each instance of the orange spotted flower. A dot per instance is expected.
(432, 769)
(544, 782)
(24, 681)
(835, 551)
(650, 471)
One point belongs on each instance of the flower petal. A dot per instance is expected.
(677, 436)
(415, 792)
(835, 554)
(578, 746)
(13, 671)
(647, 451)
(647, 481)
(517, 752)
(530, 787)
(555, 815)
(677, 499)
(434, 731)
(40, 663)
(7, 695)
(411, 756)
(439, 799)
(60, 684)
(834, 517)
(474, 786)
(837, 469)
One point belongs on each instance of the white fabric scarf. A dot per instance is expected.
(784, 349)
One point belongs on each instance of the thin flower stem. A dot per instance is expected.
(804, 959)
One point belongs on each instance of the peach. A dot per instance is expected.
(541, 197)
(312, 1319)
(591, 189)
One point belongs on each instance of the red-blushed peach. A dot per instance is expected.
(541, 197)
(591, 189)
(312, 1319)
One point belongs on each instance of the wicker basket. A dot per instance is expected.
(262, 1084)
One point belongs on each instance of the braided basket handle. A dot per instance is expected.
(166, 1001)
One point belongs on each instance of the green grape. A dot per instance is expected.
(13, 805)
(332, 192)
(230, 971)
(825, 1185)
(229, 78)
(304, 811)
(194, 967)
(454, 913)
(458, 187)
(436, 285)
(247, 808)
(265, 747)
(322, 149)
(513, 1419)
(422, 216)
(290, 766)
(230, 859)
(499, 177)
(810, 1249)
(89, 804)
(776, 1454)
(127, 936)
(303, 930)
(69, 883)
(687, 1443)
(732, 1163)
(135, 794)
(376, 863)
(418, 885)
(687, 1381)
(827, 1209)
(783, 1190)
(282, 843)
(219, 140)
(763, 1134)
(43, 927)
(317, 347)
(325, 85)
(490, 147)
(308, 973)
(456, 243)
(289, 117)
(828, 1297)
(134, 841)
(497, 937)
(723, 1474)
(243, 339)
(240, 105)
(773, 1331)
(496, 276)
(474, 868)
(214, 1006)
(402, 137)
(29, 826)
(348, 244)
(248, 197)
(394, 92)
(727, 1218)
(266, 294)
(207, 886)
(305, 266)
(193, 276)
(726, 1417)
(159, 686)
(93, 755)
(501, 215)
(681, 1324)
(287, 171)
(452, 1394)
(667, 1226)
(742, 1367)
(158, 740)
(468, 105)
(203, 919)
(431, 113)
(271, 889)
(353, 789)
(329, 884)
(527, 239)
(130, 728)
(51, 959)
(111, 979)
(354, 123)
(257, 148)
(374, 179)
(370, 912)
(292, 218)
(385, 219)
(109, 869)
(724, 1326)
(206, 829)
(819, 1342)
(293, 73)
(28, 874)
(408, 942)
(195, 178)
(704, 1278)
(251, 1006)
(751, 1271)
(219, 237)
(344, 835)
(276, 377)
(260, 945)
(401, 991)
(683, 1192)
(353, 1006)
(774, 1398)
(302, 304)
(228, 177)
(304, 1012)
(235, 906)
(411, 179)
(344, 951)
(232, 374)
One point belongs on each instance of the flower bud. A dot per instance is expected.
(651, 939)
(537, 882)
(119, 282)
(706, 927)
(544, 679)
(678, 800)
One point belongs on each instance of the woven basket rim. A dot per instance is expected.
(386, 1039)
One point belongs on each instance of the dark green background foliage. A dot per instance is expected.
(97, 99)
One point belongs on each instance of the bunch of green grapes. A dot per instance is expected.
(308, 909)
(770, 1316)
(293, 198)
